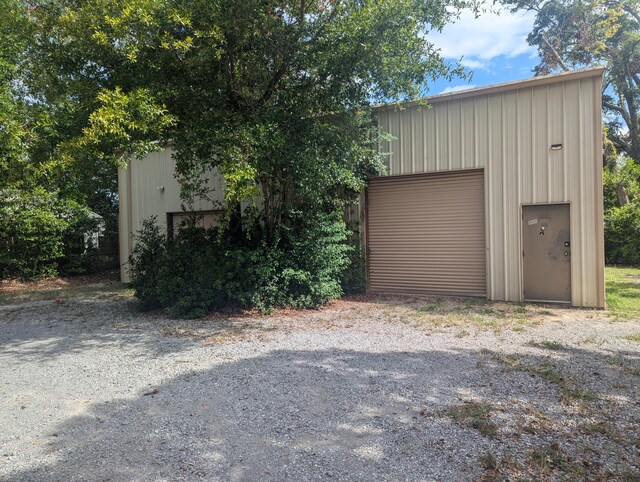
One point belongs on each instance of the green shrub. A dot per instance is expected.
(354, 277)
(622, 234)
(203, 270)
(148, 257)
(190, 279)
(624, 173)
(34, 227)
(622, 223)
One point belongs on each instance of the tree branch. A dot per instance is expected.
(555, 53)
(618, 109)
(611, 106)
(627, 8)
(284, 65)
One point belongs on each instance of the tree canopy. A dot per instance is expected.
(578, 33)
(274, 94)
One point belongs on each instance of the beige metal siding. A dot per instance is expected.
(147, 187)
(426, 233)
(508, 132)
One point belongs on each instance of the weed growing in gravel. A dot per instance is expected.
(533, 423)
(475, 415)
(635, 337)
(495, 470)
(570, 390)
(547, 459)
(551, 345)
(600, 427)
(470, 303)
(625, 365)
(615, 361)
(430, 307)
(591, 340)
(488, 461)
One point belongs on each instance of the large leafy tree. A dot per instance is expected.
(12, 113)
(578, 33)
(274, 94)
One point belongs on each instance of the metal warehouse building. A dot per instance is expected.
(495, 192)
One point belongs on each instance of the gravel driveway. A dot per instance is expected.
(365, 389)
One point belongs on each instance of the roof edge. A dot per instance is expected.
(497, 88)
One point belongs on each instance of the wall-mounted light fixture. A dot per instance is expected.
(160, 188)
(556, 147)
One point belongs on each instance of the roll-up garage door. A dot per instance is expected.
(426, 233)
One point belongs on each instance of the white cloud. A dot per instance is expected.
(474, 64)
(486, 37)
(458, 88)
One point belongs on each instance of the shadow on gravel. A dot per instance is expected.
(45, 330)
(343, 414)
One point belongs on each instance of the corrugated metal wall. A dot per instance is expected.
(141, 196)
(509, 132)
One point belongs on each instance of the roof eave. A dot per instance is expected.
(497, 88)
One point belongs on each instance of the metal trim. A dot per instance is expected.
(496, 88)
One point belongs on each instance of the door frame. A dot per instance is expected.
(521, 243)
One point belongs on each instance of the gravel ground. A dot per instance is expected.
(369, 388)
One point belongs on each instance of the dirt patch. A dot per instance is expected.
(59, 283)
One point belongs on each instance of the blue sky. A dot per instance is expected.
(494, 47)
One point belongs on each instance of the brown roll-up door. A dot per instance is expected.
(426, 233)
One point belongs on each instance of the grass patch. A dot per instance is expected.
(549, 345)
(635, 337)
(464, 314)
(623, 291)
(475, 415)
